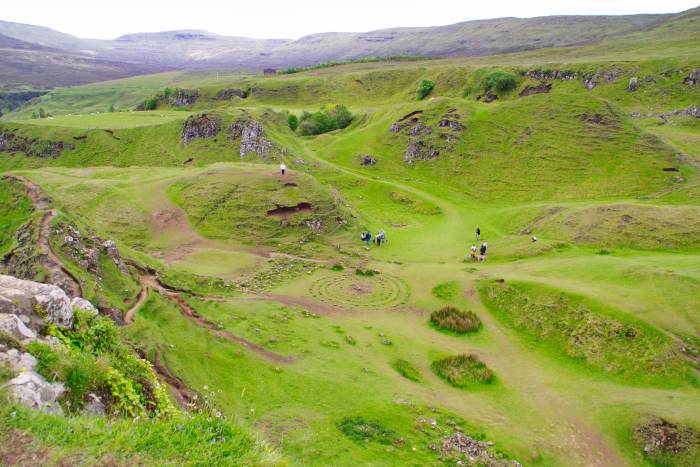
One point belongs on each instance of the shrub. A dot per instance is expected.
(361, 430)
(47, 358)
(341, 115)
(452, 319)
(405, 369)
(293, 122)
(324, 121)
(82, 374)
(424, 88)
(150, 103)
(500, 81)
(463, 371)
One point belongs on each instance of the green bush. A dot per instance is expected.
(293, 122)
(424, 88)
(150, 103)
(455, 320)
(361, 431)
(324, 121)
(406, 369)
(463, 371)
(499, 81)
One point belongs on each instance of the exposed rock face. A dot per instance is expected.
(421, 129)
(488, 97)
(12, 325)
(86, 250)
(690, 111)
(633, 84)
(542, 75)
(12, 142)
(200, 126)
(111, 250)
(226, 94)
(184, 97)
(31, 298)
(451, 124)
(31, 389)
(542, 88)
(589, 83)
(366, 160)
(252, 137)
(693, 78)
(419, 150)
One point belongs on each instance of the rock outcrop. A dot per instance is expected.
(16, 359)
(13, 326)
(183, 97)
(367, 160)
(418, 150)
(548, 75)
(31, 389)
(14, 143)
(542, 88)
(693, 78)
(200, 126)
(226, 94)
(39, 304)
(252, 136)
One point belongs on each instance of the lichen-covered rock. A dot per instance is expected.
(32, 390)
(200, 126)
(17, 360)
(253, 140)
(83, 305)
(633, 84)
(12, 325)
(40, 302)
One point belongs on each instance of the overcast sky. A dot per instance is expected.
(293, 19)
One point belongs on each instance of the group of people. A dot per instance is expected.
(481, 256)
(378, 239)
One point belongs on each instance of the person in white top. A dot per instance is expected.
(283, 168)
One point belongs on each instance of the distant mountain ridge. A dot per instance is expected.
(136, 53)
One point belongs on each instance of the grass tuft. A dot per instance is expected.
(463, 371)
(362, 430)
(452, 319)
(406, 369)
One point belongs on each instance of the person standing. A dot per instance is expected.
(283, 168)
(368, 239)
(380, 237)
(483, 251)
(478, 233)
(473, 251)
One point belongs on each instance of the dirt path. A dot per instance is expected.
(184, 396)
(59, 273)
(148, 279)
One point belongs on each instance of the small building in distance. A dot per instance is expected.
(269, 71)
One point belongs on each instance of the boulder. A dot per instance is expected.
(13, 326)
(18, 361)
(419, 150)
(367, 159)
(32, 390)
(590, 84)
(84, 305)
(95, 406)
(40, 302)
(693, 78)
(200, 126)
(633, 84)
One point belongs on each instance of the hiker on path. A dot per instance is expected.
(367, 237)
(483, 251)
(473, 252)
(478, 233)
(380, 237)
(283, 168)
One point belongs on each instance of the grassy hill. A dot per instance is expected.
(257, 291)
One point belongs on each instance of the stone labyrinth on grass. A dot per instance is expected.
(356, 291)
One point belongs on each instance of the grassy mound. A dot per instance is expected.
(361, 430)
(255, 207)
(463, 371)
(452, 319)
(446, 291)
(406, 369)
(572, 327)
(629, 225)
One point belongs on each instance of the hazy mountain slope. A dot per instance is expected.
(88, 60)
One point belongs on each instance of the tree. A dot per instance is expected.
(500, 81)
(42, 112)
(424, 88)
(293, 122)
(111, 108)
(342, 116)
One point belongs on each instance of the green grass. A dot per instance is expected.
(406, 369)
(583, 331)
(15, 210)
(447, 291)
(110, 120)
